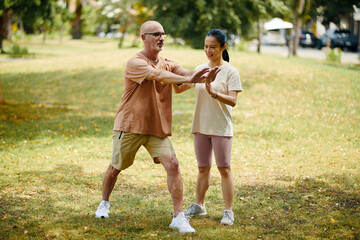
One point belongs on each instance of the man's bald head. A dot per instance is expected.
(150, 26)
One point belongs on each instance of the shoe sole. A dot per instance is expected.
(177, 229)
(226, 224)
(200, 214)
(102, 216)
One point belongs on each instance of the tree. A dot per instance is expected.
(258, 10)
(76, 7)
(190, 20)
(5, 26)
(303, 10)
(300, 8)
(118, 13)
(124, 15)
(333, 10)
(32, 13)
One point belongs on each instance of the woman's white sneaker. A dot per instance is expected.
(228, 218)
(195, 210)
(181, 223)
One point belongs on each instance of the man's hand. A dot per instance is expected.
(212, 74)
(199, 76)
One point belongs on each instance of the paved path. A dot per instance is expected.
(347, 57)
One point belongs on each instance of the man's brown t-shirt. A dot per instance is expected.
(145, 107)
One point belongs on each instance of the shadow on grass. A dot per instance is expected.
(310, 208)
(22, 121)
(61, 203)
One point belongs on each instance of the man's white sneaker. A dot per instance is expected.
(181, 223)
(228, 218)
(103, 209)
(194, 210)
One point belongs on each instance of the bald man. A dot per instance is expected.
(144, 119)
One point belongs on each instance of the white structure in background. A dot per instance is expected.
(276, 31)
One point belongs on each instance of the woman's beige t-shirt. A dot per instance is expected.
(213, 117)
(145, 107)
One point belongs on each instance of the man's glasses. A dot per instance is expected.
(157, 34)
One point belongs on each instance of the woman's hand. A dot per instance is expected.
(210, 90)
(212, 74)
(209, 79)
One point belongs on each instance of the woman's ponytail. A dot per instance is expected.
(225, 56)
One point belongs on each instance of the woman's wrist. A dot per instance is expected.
(214, 95)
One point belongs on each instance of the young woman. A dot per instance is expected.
(212, 123)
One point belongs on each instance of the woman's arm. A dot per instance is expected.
(229, 99)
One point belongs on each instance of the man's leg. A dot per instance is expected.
(109, 180)
(108, 184)
(174, 181)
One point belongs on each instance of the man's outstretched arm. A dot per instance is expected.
(172, 78)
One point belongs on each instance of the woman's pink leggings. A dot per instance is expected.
(204, 144)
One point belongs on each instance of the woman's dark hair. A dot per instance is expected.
(221, 38)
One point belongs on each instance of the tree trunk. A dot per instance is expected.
(22, 29)
(61, 31)
(260, 35)
(294, 37)
(44, 36)
(1, 99)
(121, 41)
(76, 24)
(5, 27)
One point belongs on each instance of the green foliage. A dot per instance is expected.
(45, 14)
(190, 20)
(91, 20)
(333, 11)
(17, 52)
(333, 54)
(242, 46)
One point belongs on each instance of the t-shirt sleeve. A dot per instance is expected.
(137, 70)
(234, 83)
(175, 68)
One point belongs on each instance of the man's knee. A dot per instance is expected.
(112, 172)
(171, 163)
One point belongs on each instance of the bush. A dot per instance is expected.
(242, 46)
(333, 54)
(17, 52)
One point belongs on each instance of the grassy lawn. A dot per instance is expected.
(296, 149)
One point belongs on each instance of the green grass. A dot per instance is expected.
(296, 149)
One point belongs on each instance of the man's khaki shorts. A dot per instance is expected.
(126, 145)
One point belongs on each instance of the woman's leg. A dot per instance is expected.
(227, 184)
(202, 184)
(222, 151)
(203, 151)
